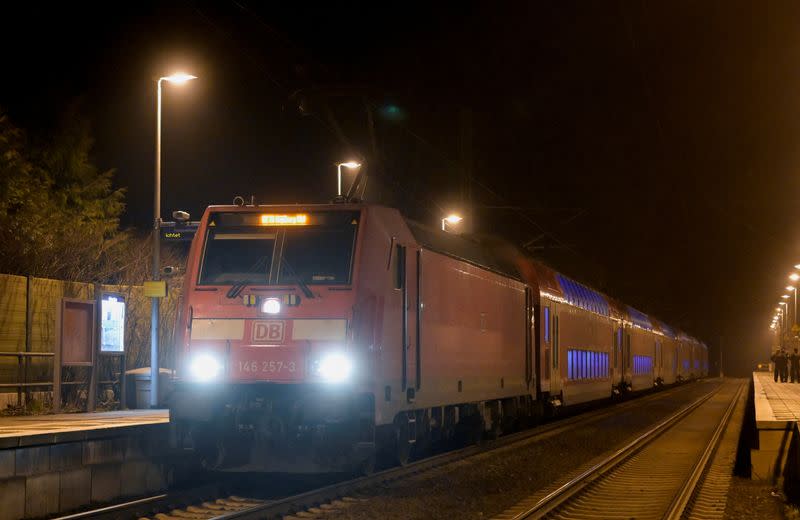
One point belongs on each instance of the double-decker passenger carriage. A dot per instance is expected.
(577, 334)
(313, 336)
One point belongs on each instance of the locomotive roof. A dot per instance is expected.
(468, 249)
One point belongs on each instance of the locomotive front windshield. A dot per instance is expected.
(240, 249)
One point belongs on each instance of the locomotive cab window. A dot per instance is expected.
(272, 249)
(322, 255)
(236, 256)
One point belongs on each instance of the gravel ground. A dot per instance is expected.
(748, 500)
(489, 483)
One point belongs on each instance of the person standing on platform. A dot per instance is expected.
(794, 365)
(784, 366)
(779, 363)
(776, 371)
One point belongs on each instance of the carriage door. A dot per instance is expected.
(656, 358)
(627, 360)
(409, 266)
(619, 372)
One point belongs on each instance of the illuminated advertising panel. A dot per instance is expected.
(112, 324)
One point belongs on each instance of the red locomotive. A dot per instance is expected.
(312, 337)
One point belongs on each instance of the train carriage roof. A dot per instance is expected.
(548, 281)
(639, 318)
(581, 296)
(664, 329)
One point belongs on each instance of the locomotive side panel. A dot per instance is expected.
(380, 303)
(444, 331)
(473, 333)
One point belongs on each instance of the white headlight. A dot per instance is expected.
(271, 306)
(204, 367)
(335, 367)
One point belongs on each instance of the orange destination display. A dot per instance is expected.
(282, 219)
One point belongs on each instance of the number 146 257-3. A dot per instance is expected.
(271, 367)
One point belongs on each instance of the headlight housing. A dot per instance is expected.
(271, 306)
(335, 367)
(205, 367)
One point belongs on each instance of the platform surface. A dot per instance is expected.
(30, 425)
(777, 404)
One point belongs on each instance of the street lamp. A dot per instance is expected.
(178, 78)
(794, 277)
(794, 290)
(451, 219)
(350, 165)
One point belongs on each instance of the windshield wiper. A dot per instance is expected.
(302, 284)
(236, 289)
(238, 286)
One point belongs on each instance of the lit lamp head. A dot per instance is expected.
(179, 78)
(789, 288)
(451, 219)
(350, 165)
(794, 277)
(785, 296)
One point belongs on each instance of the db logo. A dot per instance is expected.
(268, 331)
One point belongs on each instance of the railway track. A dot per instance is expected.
(211, 502)
(656, 475)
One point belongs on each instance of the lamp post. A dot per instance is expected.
(351, 165)
(450, 219)
(178, 79)
(785, 319)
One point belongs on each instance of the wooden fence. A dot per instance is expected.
(28, 309)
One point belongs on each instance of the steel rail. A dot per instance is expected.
(679, 503)
(568, 490)
(116, 508)
(159, 501)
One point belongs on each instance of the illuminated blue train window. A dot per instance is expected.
(547, 324)
(581, 296)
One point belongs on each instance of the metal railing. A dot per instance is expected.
(23, 385)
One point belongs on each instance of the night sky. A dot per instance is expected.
(649, 149)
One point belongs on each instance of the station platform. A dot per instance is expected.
(72, 426)
(776, 403)
(777, 413)
(52, 464)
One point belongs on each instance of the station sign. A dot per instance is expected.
(178, 231)
(155, 289)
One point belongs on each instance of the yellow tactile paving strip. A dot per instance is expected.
(775, 402)
(17, 426)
